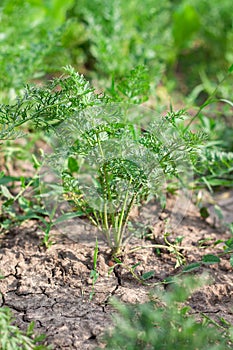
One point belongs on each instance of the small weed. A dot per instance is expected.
(47, 240)
(17, 208)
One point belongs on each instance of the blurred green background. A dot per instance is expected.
(184, 44)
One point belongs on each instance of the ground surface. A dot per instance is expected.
(52, 287)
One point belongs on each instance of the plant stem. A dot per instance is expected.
(207, 102)
(119, 236)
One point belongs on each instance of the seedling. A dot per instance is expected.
(47, 240)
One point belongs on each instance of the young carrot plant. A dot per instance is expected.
(113, 158)
(109, 157)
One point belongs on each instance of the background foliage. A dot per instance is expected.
(183, 43)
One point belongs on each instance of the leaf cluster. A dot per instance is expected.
(215, 167)
(12, 338)
(34, 45)
(122, 35)
(165, 323)
(46, 106)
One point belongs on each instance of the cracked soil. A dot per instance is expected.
(52, 287)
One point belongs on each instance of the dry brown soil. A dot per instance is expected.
(52, 287)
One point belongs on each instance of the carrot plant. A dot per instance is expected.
(108, 154)
(112, 159)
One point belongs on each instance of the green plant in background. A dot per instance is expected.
(187, 37)
(164, 323)
(26, 204)
(186, 23)
(12, 338)
(215, 166)
(134, 88)
(202, 33)
(17, 208)
(214, 33)
(122, 35)
(36, 44)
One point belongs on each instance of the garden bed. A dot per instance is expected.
(53, 287)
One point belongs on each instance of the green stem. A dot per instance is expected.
(207, 102)
(35, 114)
(119, 236)
(26, 187)
(212, 321)
(107, 198)
(126, 219)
